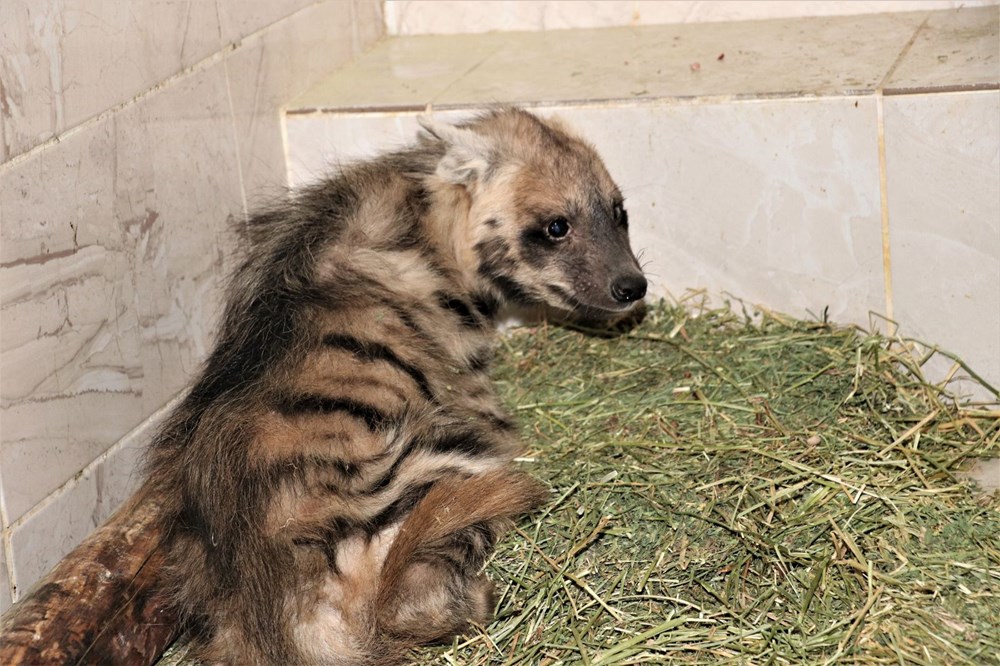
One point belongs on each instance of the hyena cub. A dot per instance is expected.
(342, 468)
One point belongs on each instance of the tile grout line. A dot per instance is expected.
(222, 54)
(128, 439)
(8, 548)
(236, 141)
(883, 177)
(884, 206)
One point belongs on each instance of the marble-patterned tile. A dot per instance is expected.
(272, 67)
(72, 380)
(775, 202)
(51, 200)
(943, 164)
(239, 18)
(64, 62)
(111, 278)
(955, 50)
(176, 170)
(40, 541)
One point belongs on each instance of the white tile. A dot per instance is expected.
(176, 171)
(775, 202)
(957, 49)
(943, 161)
(57, 528)
(239, 18)
(5, 597)
(274, 66)
(319, 143)
(64, 520)
(45, 443)
(416, 17)
(65, 62)
(111, 280)
(72, 378)
(51, 201)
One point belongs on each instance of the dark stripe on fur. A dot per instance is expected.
(383, 481)
(485, 305)
(468, 443)
(397, 509)
(480, 360)
(374, 351)
(460, 308)
(321, 404)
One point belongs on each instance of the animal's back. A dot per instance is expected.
(342, 467)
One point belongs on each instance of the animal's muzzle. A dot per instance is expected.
(628, 288)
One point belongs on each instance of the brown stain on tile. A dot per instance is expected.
(41, 258)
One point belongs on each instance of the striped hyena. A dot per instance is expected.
(341, 469)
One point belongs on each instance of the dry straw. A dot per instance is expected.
(747, 490)
(741, 489)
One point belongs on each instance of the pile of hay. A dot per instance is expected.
(737, 490)
(727, 490)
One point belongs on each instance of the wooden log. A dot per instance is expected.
(102, 604)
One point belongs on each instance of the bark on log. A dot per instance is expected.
(102, 604)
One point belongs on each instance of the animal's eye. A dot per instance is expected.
(621, 215)
(558, 228)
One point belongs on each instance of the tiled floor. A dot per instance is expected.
(749, 152)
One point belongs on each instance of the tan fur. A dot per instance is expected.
(342, 468)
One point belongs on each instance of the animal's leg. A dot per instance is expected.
(431, 585)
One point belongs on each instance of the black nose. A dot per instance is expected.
(629, 288)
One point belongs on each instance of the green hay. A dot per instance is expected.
(728, 490)
(733, 492)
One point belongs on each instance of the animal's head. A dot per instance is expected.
(546, 224)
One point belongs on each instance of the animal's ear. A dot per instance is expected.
(468, 155)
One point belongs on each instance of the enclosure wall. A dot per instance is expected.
(134, 136)
(439, 17)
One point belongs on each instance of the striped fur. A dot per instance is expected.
(342, 467)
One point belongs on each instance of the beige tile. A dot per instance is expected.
(400, 73)
(50, 201)
(111, 305)
(830, 55)
(368, 23)
(72, 380)
(271, 68)
(943, 161)
(788, 57)
(320, 143)
(46, 443)
(956, 49)
(418, 17)
(59, 526)
(176, 171)
(51, 52)
(775, 202)
(239, 18)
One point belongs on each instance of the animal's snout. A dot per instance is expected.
(628, 288)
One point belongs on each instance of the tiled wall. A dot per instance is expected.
(438, 17)
(757, 173)
(132, 139)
